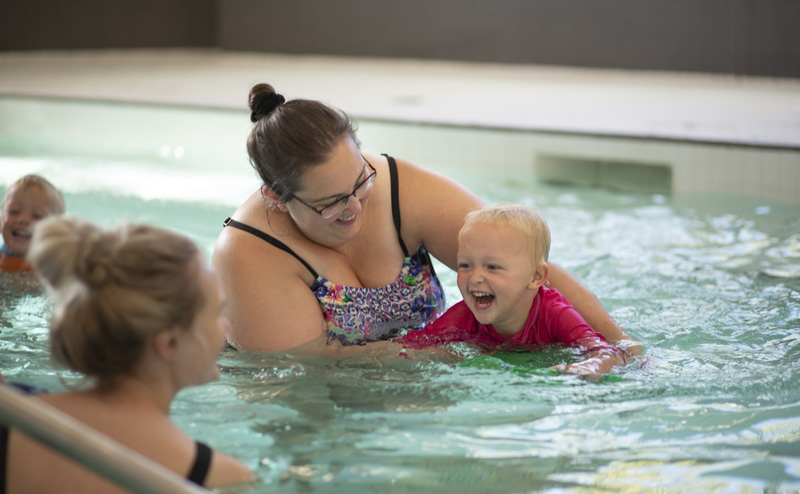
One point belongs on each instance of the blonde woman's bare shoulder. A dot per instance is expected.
(229, 471)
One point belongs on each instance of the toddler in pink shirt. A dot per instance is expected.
(502, 273)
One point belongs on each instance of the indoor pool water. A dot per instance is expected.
(710, 286)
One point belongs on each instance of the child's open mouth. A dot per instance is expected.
(482, 299)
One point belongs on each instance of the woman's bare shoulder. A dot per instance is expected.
(433, 207)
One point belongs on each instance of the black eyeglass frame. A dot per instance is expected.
(343, 200)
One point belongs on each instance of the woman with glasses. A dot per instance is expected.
(334, 246)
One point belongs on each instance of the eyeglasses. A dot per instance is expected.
(337, 206)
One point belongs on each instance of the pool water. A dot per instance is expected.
(710, 285)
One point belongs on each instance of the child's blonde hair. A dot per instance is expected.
(524, 219)
(33, 180)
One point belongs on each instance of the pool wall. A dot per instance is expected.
(214, 141)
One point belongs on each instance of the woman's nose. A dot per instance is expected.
(353, 204)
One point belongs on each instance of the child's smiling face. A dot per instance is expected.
(23, 207)
(497, 276)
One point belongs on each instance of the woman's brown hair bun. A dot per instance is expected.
(263, 100)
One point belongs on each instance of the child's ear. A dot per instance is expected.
(539, 276)
(274, 198)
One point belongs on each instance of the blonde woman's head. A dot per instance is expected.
(113, 290)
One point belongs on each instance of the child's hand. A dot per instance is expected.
(592, 367)
(589, 367)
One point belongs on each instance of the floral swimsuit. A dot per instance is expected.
(357, 315)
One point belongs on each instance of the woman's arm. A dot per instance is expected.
(268, 303)
(432, 209)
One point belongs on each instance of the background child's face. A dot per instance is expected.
(22, 208)
(496, 276)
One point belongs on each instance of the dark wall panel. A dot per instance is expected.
(88, 24)
(757, 37)
(748, 37)
(770, 38)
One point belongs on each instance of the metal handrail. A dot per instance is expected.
(114, 461)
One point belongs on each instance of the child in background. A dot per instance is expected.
(502, 270)
(28, 200)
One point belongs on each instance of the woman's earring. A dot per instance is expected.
(274, 200)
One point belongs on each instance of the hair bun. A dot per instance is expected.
(264, 104)
(95, 274)
(94, 257)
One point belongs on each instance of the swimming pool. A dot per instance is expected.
(710, 284)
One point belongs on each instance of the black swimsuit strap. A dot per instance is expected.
(396, 200)
(198, 473)
(202, 462)
(270, 240)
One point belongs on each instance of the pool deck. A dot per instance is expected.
(720, 109)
